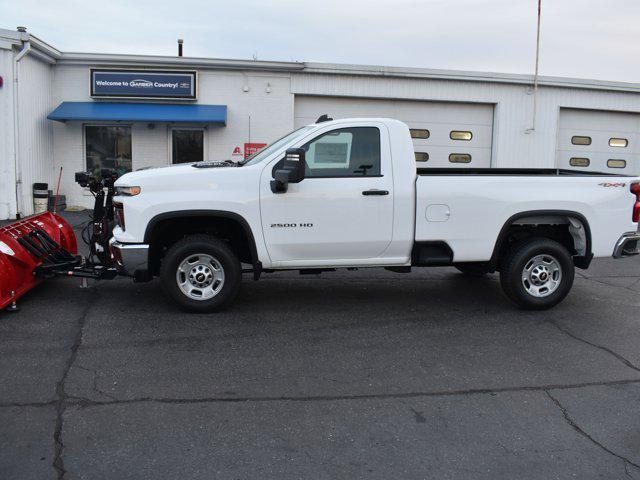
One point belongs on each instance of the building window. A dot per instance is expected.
(580, 140)
(421, 156)
(460, 135)
(419, 133)
(108, 146)
(618, 142)
(187, 145)
(346, 152)
(615, 163)
(579, 162)
(460, 158)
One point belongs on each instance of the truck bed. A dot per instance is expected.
(467, 208)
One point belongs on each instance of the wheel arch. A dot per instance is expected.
(200, 221)
(547, 217)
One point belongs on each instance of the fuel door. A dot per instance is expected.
(438, 212)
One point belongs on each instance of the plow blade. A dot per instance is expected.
(30, 248)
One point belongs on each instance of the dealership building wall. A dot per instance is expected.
(265, 100)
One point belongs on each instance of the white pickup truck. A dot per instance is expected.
(347, 194)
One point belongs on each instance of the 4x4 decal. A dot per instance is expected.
(609, 184)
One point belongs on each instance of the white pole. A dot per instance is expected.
(535, 75)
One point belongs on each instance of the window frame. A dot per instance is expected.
(421, 153)
(170, 131)
(102, 124)
(411, 130)
(581, 144)
(463, 154)
(626, 142)
(616, 160)
(377, 127)
(580, 158)
(461, 139)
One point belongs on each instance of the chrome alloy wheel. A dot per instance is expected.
(200, 276)
(541, 275)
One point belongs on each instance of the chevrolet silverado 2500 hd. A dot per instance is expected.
(346, 193)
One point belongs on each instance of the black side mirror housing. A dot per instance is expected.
(292, 170)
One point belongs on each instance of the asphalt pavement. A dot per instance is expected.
(348, 375)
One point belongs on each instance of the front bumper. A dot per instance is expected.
(627, 245)
(132, 258)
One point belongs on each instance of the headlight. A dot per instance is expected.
(128, 191)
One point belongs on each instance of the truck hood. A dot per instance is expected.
(177, 175)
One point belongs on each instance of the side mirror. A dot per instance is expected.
(292, 170)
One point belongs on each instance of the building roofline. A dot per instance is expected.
(44, 47)
(105, 59)
(463, 75)
(44, 50)
(12, 35)
(175, 61)
(343, 69)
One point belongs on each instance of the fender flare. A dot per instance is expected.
(255, 261)
(581, 261)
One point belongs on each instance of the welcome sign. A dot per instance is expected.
(144, 84)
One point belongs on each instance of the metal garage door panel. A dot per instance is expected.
(308, 109)
(439, 118)
(600, 127)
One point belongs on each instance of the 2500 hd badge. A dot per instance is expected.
(291, 225)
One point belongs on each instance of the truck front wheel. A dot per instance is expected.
(201, 273)
(537, 273)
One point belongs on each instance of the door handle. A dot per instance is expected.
(375, 192)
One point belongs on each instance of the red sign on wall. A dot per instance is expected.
(251, 148)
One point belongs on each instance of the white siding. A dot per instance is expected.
(68, 152)
(7, 162)
(271, 113)
(439, 118)
(35, 148)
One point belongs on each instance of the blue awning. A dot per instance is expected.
(139, 112)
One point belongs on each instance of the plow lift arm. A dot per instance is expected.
(44, 245)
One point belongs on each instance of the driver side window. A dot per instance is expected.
(346, 152)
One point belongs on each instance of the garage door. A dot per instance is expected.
(444, 134)
(599, 141)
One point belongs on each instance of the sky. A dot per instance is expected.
(579, 38)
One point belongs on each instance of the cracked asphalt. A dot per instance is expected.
(366, 374)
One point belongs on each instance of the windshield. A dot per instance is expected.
(264, 153)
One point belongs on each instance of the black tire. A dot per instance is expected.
(519, 256)
(473, 269)
(188, 249)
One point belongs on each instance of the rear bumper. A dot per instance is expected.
(132, 258)
(627, 245)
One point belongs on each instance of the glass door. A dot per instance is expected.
(187, 145)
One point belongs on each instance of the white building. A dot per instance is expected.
(221, 108)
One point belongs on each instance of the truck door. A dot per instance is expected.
(342, 210)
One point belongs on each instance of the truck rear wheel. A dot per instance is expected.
(537, 273)
(201, 273)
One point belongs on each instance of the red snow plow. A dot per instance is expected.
(29, 249)
(44, 246)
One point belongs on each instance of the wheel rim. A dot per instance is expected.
(200, 276)
(541, 275)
